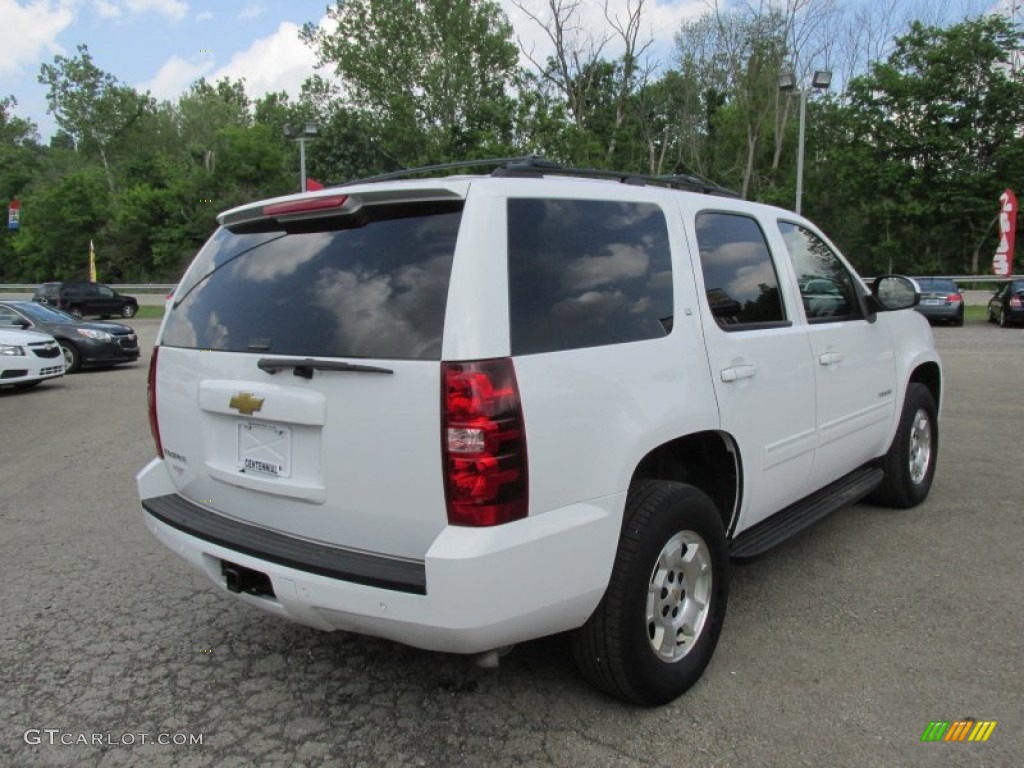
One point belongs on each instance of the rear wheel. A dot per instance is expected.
(1003, 322)
(72, 357)
(76, 311)
(656, 628)
(128, 310)
(910, 463)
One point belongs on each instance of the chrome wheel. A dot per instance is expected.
(679, 596)
(920, 446)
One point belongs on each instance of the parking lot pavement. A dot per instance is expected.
(839, 649)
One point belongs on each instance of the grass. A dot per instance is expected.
(149, 312)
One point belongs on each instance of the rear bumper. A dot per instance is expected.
(475, 589)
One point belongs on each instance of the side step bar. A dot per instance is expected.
(794, 518)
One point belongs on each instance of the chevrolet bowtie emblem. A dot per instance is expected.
(246, 402)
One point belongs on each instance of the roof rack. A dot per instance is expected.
(533, 166)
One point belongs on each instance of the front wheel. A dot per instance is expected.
(656, 628)
(910, 463)
(72, 357)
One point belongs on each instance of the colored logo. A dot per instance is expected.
(959, 730)
(246, 402)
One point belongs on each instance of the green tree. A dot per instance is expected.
(926, 144)
(92, 107)
(432, 76)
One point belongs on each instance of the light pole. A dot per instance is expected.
(307, 132)
(787, 83)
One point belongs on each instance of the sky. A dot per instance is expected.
(162, 46)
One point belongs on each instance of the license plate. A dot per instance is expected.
(264, 449)
(932, 301)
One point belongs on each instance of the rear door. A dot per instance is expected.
(760, 362)
(298, 384)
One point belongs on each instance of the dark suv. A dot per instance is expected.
(82, 298)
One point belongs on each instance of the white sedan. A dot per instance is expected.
(27, 358)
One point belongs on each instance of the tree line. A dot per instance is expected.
(906, 155)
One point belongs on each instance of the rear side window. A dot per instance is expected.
(586, 273)
(739, 275)
(372, 287)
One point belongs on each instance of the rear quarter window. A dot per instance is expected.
(586, 273)
(372, 287)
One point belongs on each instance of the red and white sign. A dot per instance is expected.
(13, 214)
(1002, 263)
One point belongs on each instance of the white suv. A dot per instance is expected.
(468, 411)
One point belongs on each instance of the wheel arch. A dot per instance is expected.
(930, 375)
(709, 461)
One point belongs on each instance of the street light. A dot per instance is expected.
(787, 83)
(307, 132)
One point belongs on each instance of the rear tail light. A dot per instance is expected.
(955, 298)
(154, 426)
(1015, 302)
(483, 443)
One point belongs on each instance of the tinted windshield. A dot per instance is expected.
(372, 287)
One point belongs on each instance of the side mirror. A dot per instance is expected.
(894, 292)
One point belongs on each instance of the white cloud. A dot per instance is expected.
(204, 16)
(175, 76)
(280, 62)
(27, 30)
(174, 9)
(106, 9)
(251, 11)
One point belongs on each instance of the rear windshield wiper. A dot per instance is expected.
(305, 368)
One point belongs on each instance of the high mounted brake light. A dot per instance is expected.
(306, 205)
(483, 442)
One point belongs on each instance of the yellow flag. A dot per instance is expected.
(92, 263)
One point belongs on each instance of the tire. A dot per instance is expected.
(72, 357)
(1001, 320)
(129, 310)
(909, 464)
(624, 649)
(76, 311)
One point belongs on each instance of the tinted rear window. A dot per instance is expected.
(374, 287)
(936, 284)
(585, 273)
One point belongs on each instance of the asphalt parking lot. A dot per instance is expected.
(840, 647)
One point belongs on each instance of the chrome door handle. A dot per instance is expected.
(736, 372)
(831, 358)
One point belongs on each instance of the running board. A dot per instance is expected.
(794, 518)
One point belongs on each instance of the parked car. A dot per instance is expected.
(1006, 307)
(941, 300)
(84, 343)
(464, 412)
(82, 298)
(28, 358)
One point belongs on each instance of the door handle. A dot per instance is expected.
(736, 372)
(831, 358)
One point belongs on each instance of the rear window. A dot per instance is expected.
(928, 284)
(373, 287)
(586, 273)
